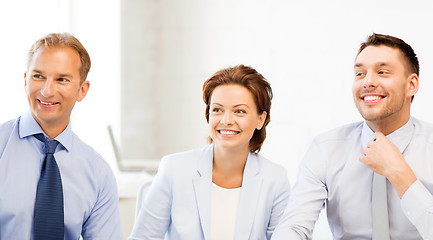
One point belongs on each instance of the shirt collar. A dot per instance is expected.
(400, 137)
(29, 127)
(367, 135)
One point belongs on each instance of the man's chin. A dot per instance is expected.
(373, 116)
(46, 119)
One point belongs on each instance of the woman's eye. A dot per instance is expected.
(241, 111)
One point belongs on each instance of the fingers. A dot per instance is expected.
(379, 136)
(364, 150)
(362, 158)
(365, 156)
(367, 160)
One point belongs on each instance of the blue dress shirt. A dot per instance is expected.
(89, 187)
(331, 175)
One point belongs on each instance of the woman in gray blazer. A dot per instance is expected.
(225, 190)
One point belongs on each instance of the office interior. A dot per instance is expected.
(150, 59)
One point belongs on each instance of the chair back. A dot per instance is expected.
(141, 196)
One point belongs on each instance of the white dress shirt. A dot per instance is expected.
(331, 175)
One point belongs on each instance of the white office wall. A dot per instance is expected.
(20, 27)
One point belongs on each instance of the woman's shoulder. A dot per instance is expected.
(183, 160)
(274, 175)
(184, 156)
(271, 168)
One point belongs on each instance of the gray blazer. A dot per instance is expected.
(178, 203)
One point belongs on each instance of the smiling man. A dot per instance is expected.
(53, 185)
(375, 177)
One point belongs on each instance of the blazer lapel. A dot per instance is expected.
(251, 186)
(202, 188)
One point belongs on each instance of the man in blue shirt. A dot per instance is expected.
(55, 80)
(375, 177)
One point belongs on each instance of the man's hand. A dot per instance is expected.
(384, 158)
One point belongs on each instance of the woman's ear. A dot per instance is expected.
(262, 118)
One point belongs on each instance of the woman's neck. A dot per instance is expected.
(228, 167)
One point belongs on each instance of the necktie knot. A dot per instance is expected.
(50, 145)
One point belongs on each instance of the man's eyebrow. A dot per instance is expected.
(379, 64)
(37, 71)
(60, 75)
(65, 75)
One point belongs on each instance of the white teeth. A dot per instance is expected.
(47, 103)
(372, 98)
(228, 132)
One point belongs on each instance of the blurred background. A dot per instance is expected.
(150, 59)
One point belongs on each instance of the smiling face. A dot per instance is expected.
(383, 86)
(52, 85)
(233, 117)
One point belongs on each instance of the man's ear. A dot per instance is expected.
(25, 79)
(84, 88)
(412, 84)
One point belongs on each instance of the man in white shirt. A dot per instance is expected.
(339, 167)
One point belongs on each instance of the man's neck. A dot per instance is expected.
(52, 130)
(388, 125)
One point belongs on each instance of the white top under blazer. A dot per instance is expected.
(224, 211)
(178, 204)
